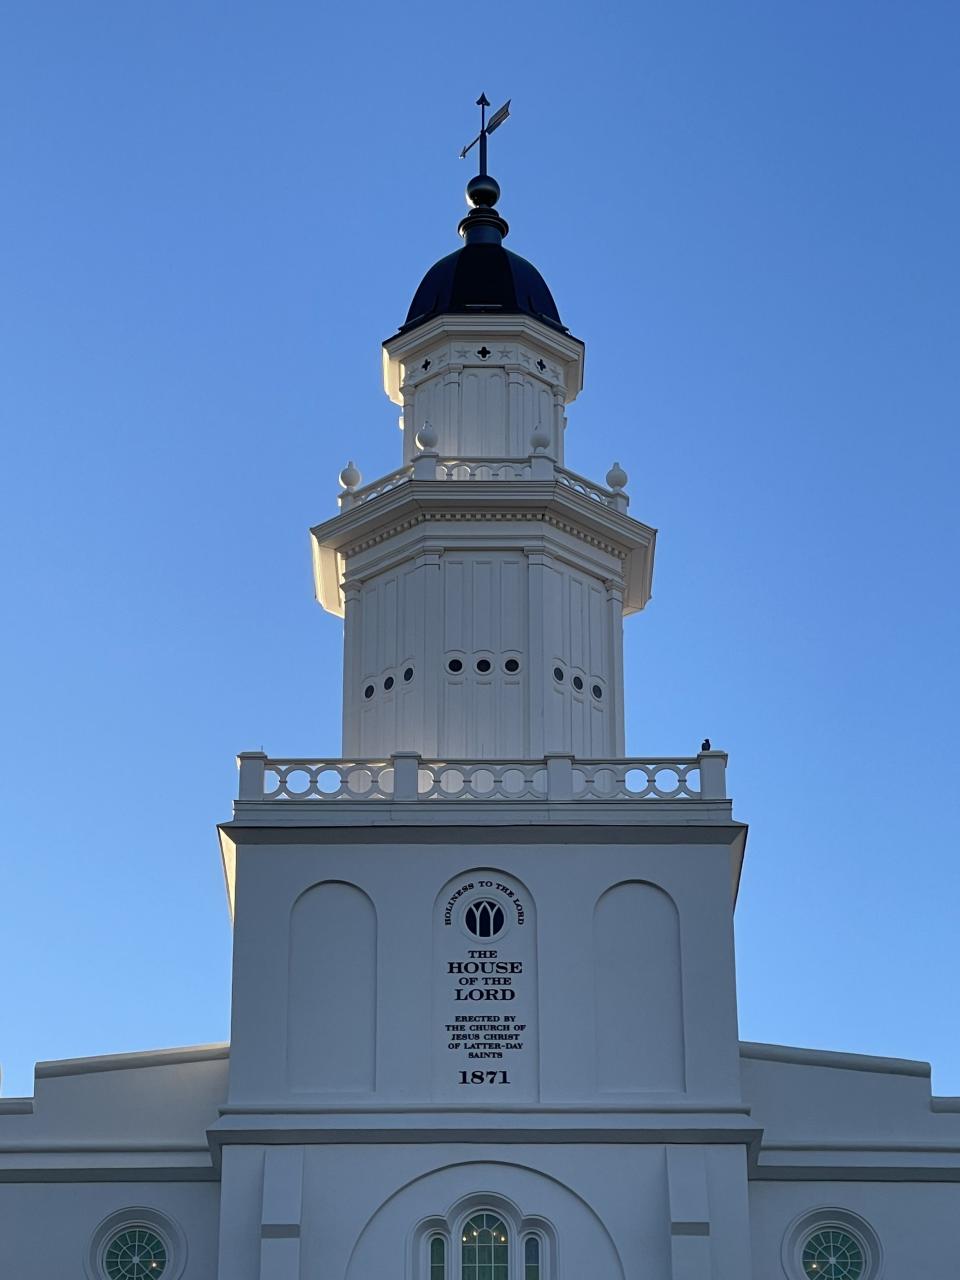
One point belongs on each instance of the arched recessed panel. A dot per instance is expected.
(485, 992)
(638, 990)
(527, 1202)
(332, 991)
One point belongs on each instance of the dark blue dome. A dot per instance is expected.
(483, 278)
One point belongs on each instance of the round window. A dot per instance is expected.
(407, 675)
(832, 1253)
(578, 683)
(558, 673)
(369, 691)
(455, 665)
(135, 1253)
(511, 665)
(484, 665)
(831, 1243)
(134, 1243)
(388, 683)
(484, 918)
(597, 691)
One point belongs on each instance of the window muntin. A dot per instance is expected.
(135, 1253)
(485, 1249)
(831, 1253)
(438, 1258)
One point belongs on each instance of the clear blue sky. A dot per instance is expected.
(214, 213)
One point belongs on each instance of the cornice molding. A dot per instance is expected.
(416, 503)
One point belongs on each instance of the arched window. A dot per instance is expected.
(485, 1249)
(438, 1258)
(531, 1258)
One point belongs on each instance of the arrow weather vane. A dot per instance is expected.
(496, 120)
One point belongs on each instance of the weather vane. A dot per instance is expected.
(486, 128)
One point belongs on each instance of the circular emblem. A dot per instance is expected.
(484, 918)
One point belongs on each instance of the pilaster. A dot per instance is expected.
(280, 1214)
(352, 630)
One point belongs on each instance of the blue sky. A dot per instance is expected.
(214, 213)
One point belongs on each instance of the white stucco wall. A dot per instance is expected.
(918, 1224)
(607, 1208)
(582, 976)
(46, 1227)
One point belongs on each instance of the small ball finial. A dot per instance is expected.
(350, 477)
(483, 191)
(539, 438)
(617, 477)
(426, 439)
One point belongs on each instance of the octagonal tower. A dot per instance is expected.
(482, 584)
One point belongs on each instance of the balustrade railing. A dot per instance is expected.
(405, 777)
(353, 497)
(595, 492)
(484, 469)
(429, 466)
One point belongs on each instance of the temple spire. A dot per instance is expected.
(483, 225)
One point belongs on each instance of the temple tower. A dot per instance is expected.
(482, 584)
(484, 994)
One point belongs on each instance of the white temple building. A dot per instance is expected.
(484, 1021)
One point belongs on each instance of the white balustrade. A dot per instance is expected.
(405, 777)
(327, 779)
(355, 497)
(595, 492)
(483, 469)
(429, 466)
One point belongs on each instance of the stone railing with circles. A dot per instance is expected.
(661, 779)
(323, 779)
(405, 777)
(428, 465)
(482, 780)
(483, 469)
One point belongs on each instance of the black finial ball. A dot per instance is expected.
(483, 191)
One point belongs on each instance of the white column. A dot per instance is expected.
(535, 656)
(410, 424)
(449, 430)
(432, 674)
(518, 433)
(352, 639)
(558, 424)
(615, 666)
